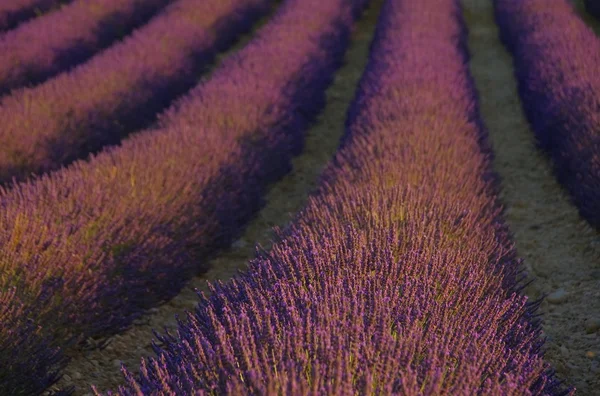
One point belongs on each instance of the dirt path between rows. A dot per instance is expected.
(560, 249)
(101, 367)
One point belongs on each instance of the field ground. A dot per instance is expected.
(560, 250)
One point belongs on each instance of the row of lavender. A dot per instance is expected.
(44, 46)
(13, 12)
(201, 39)
(399, 277)
(556, 59)
(120, 89)
(86, 249)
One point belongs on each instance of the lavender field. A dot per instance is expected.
(303, 197)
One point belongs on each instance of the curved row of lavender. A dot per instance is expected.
(557, 58)
(13, 12)
(593, 7)
(119, 90)
(399, 277)
(91, 246)
(43, 47)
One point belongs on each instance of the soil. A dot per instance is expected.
(561, 251)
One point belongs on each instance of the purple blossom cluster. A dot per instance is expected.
(20, 339)
(44, 46)
(399, 276)
(556, 58)
(119, 90)
(87, 248)
(13, 12)
(593, 7)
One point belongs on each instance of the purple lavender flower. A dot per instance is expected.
(93, 245)
(399, 276)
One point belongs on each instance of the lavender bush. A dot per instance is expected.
(399, 276)
(13, 12)
(556, 58)
(20, 340)
(120, 89)
(45, 46)
(105, 239)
